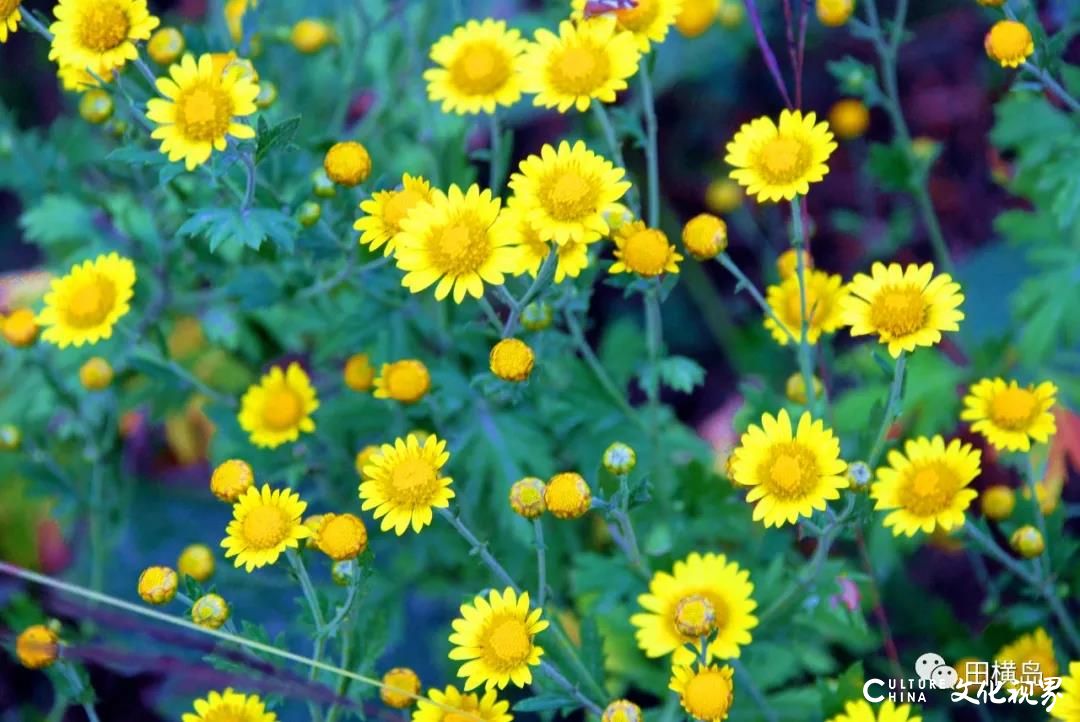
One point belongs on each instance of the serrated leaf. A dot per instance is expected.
(681, 374)
(277, 136)
(57, 218)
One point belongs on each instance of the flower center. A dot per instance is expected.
(480, 69)
(90, 303)
(708, 695)
(898, 310)
(510, 643)
(569, 195)
(398, 206)
(646, 252)
(579, 70)
(784, 159)
(282, 409)
(790, 472)
(930, 490)
(413, 480)
(204, 113)
(265, 527)
(460, 247)
(1013, 408)
(103, 26)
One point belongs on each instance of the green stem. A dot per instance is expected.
(892, 410)
(654, 339)
(615, 147)
(497, 174)
(489, 311)
(78, 689)
(97, 526)
(746, 681)
(601, 374)
(556, 676)
(542, 280)
(312, 598)
(745, 284)
(1053, 86)
(806, 359)
(652, 148)
(541, 563)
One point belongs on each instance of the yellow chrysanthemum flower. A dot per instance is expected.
(569, 194)
(478, 68)
(648, 20)
(402, 687)
(706, 693)
(511, 359)
(1011, 416)
(780, 161)
(588, 60)
(406, 381)
(905, 308)
(1009, 42)
(1033, 658)
(791, 473)
(265, 523)
(495, 638)
(825, 293)
(453, 706)
(385, 211)
(403, 483)
(83, 306)
(37, 647)
(231, 479)
(571, 258)
(340, 536)
(862, 711)
(926, 487)
(231, 706)
(278, 408)
(200, 108)
(1067, 706)
(644, 251)
(10, 15)
(99, 35)
(456, 240)
(727, 587)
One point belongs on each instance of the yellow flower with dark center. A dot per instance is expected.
(1011, 416)
(230, 706)
(706, 693)
(849, 118)
(567, 495)
(697, 16)
(404, 483)
(406, 381)
(777, 161)
(1009, 43)
(83, 306)
(527, 497)
(347, 163)
(37, 647)
(705, 236)
(648, 20)
(456, 241)
(1033, 658)
(588, 60)
(265, 523)
(478, 68)
(998, 502)
(887, 711)
(402, 685)
(567, 195)
(1067, 706)
(99, 35)
(644, 251)
(1028, 542)
(571, 258)
(311, 35)
(825, 295)
(790, 472)
(495, 638)
(787, 263)
(621, 710)
(10, 15)
(231, 479)
(728, 589)
(834, 13)
(157, 585)
(511, 359)
(341, 536)
(385, 211)
(359, 374)
(20, 328)
(278, 408)
(166, 46)
(903, 307)
(96, 374)
(200, 109)
(197, 562)
(926, 487)
(453, 706)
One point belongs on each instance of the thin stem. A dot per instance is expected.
(806, 360)
(557, 677)
(541, 563)
(1053, 86)
(248, 160)
(746, 681)
(892, 410)
(654, 340)
(542, 281)
(97, 525)
(598, 369)
(146, 72)
(652, 148)
(745, 284)
(36, 25)
(316, 613)
(480, 549)
(497, 173)
(489, 311)
(612, 140)
(770, 60)
(77, 687)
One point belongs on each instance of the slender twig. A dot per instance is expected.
(601, 374)
(746, 682)
(542, 281)
(316, 613)
(892, 410)
(77, 687)
(480, 549)
(1053, 86)
(805, 353)
(615, 147)
(541, 563)
(770, 60)
(745, 284)
(557, 677)
(248, 159)
(496, 172)
(654, 340)
(652, 147)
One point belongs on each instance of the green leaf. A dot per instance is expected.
(277, 136)
(242, 228)
(891, 165)
(57, 218)
(857, 78)
(681, 374)
(545, 703)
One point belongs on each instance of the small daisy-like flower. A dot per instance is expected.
(511, 359)
(10, 15)
(567, 495)
(230, 706)
(571, 259)
(527, 497)
(359, 374)
(904, 307)
(705, 236)
(1028, 542)
(644, 251)
(727, 587)
(402, 685)
(1067, 706)
(825, 293)
(84, 306)
(200, 109)
(341, 536)
(385, 211)
(265, 524)
(197, 562)
(478, 68)
(588, 60)
(567, 194)
(926, 487)
(619, 458)
(96, 374)
(791, 472)
(277, 409)
(210, 611)
(166, 46)
(99, 35)
(20, 328)
(787, 263)
(648, 20)
(834, 13)
(406, 381)
(1009, 43)
(157, 585)
(1033, 658)
(404, 483)
(849, 118)
(777, 161)
(231, 479)
(495, 639)
(456, 241)
(621, 710)
(706, 693)
(453, 706)
(37, 647)
(862, 711)
(347, 163)
(1011, 416)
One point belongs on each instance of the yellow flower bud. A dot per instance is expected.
(210, 610)
(998, 502)
(359, 373)
(696, 17)
(695, 616)
(834, 13)
(619, 458)
(1028, 542)
(96, 374)
(157, 585)
(849, 118)
(20, 328)
(527, 497)
(231, 479)
(511, 360)
(196, 561)
(165, 46)
(705, 236)
(311, 35)
(567, 495)
(621, 710)
(402, 687)
(1009, 43)
(37, 647)
(795, 388)
(341, 536)
(95, 106)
